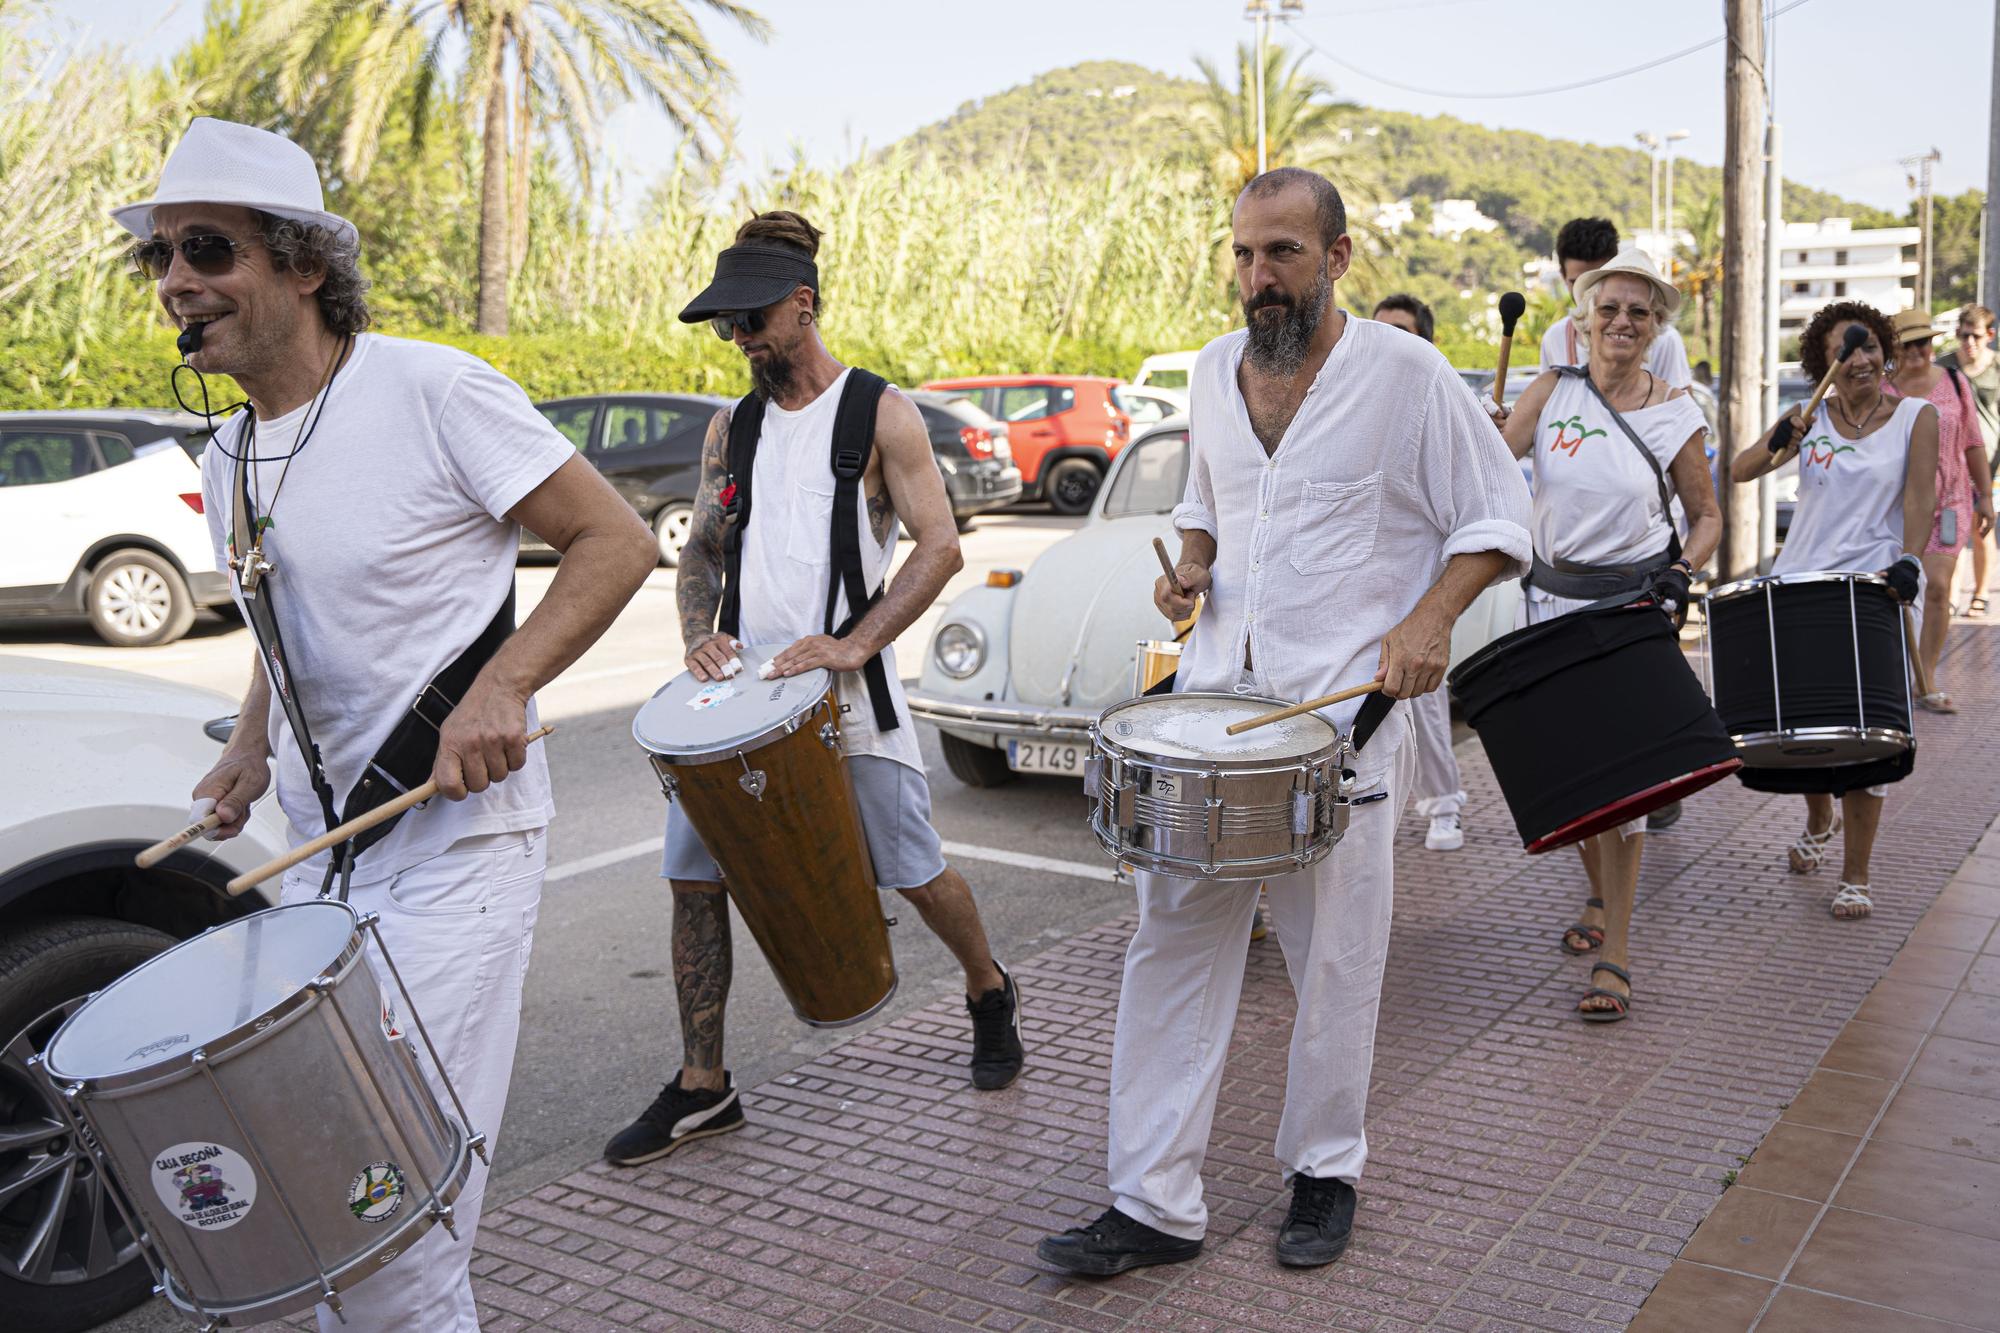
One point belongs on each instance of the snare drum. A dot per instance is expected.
(756, 766)
(255, 1094)
(1172, 792)
(1809, 671)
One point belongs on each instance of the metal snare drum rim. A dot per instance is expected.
(1743, 587)
(748, 745)
(1205, 766)
(182, 1064)
(1769, 748)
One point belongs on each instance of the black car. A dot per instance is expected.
(648, 446)
(972, 451)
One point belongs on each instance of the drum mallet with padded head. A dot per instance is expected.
(166, 847)
(1309, 706)
(1855, 336)
(333, 837)
(1512, 306)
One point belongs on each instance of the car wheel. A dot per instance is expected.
(138, 599)
(672, 526)
(975, 765)
(1072, 485)
(67, 1260)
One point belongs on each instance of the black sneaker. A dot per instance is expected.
(676, 1117)
(996, 1035)
(1318, 1223)
(1112, 1244)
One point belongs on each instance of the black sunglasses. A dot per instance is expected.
(210, 255)
(725, 325)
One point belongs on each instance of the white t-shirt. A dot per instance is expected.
(1850, 510)
(392, 551)
(1389, 469)
(788, 563)
(1596, 501)
(1565, 345)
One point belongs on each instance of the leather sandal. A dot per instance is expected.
(1595, 934)
(1623, 1002)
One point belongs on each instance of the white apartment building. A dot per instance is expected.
(1453, 218)
(1831, 260)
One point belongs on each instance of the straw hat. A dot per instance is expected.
(1911, 325)
(221, 162)
(1631, 260)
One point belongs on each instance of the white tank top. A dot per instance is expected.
(1596, 501)
(787, 562)
(1850, 509)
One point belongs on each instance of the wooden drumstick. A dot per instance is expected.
(1855, 336)
(1309, 706)
(341, 833)
(1167, 564)
(1916, 654)
(1512, 306)
(166, 847)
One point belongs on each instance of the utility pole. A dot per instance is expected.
(1259, 13)
(1990, 268)
(1774, 249)
(1672, 137)
(1742, 275)
(1651, 143)
(1921, 182)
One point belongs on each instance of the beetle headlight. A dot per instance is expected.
(960, 650)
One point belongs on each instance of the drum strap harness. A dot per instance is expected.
(406, 758)
(853, 443)
(1567, 578)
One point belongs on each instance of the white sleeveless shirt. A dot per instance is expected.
(1596, 500)
(787, 562)
(1850, 510)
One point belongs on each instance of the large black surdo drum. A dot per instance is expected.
(1811, 679)
(1591, 719)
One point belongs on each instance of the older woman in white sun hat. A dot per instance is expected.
(1612, 445)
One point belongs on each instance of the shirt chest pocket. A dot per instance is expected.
(809, 529)
(1336, 525)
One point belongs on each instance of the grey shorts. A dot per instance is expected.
(895, 803)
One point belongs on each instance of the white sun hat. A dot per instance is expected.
(222, 162)
(1634, 262)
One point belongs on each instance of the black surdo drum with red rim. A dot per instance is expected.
(1591, 719)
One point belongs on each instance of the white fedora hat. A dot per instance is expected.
(1634, 262)
(221, 162)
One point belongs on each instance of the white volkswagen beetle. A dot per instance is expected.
(1019, 669)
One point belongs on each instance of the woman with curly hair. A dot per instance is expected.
(1867, 489)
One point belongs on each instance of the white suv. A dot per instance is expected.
(100, 518)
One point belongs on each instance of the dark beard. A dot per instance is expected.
(1279, 347)
(773, 376)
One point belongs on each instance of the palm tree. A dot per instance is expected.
(535, 66)
(1301, 119)
(1699, 268)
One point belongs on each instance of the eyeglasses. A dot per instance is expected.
(725, 325)
(210, 255)
(1638, 314)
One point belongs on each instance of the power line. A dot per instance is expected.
(1459, 94)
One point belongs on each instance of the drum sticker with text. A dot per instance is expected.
(712, 694)
(159, 1047)
(377, 1192)
(207, 1186)
(1565, 442)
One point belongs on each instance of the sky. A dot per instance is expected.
(839, 76)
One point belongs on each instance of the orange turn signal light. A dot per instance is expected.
(1002, 578)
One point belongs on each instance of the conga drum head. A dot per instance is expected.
(691, 721)
(1195, 727)
(201, 993)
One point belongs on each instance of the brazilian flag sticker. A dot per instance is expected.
(377, 1192)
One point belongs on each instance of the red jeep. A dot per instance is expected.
(1065, 430)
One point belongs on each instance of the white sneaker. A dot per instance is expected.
(1445, 834)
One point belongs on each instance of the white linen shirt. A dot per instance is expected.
(1389, 469)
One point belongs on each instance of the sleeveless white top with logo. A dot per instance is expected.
(1596, 500)
(788, 562)
(1850, 508)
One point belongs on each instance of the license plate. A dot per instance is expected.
(1043, 757)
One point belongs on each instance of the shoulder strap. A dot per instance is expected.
(746, 424)
(853, 445)
(1659, 473)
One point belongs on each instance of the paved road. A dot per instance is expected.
(599, 1033)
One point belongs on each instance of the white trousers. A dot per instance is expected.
(1439, 790)
(1184, 977)
(460, 927)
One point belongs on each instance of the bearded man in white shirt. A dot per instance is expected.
(1347, 499)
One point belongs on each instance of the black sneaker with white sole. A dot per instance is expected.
(677, 1117)
(997, 1056)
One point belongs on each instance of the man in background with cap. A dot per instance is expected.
(769, 584)
(386, 483)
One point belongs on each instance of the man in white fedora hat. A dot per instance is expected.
(369, 506)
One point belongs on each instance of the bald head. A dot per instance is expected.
(1328, 209)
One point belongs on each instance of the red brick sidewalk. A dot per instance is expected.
(1527, 1171)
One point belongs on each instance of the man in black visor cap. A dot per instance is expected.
(833, 458)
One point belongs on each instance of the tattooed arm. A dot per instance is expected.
(698, 580)
(911, 489)
(701, 981)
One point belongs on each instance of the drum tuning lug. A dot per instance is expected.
(753, 780)
(446, 1218)
(670, 786)
(320, 985)
(829, 736)
(368, 920)
(478, 1145)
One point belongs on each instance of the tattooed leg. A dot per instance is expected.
(701, 979)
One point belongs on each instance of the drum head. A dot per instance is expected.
(1194, 726)
(691, 718)
(201, 990)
